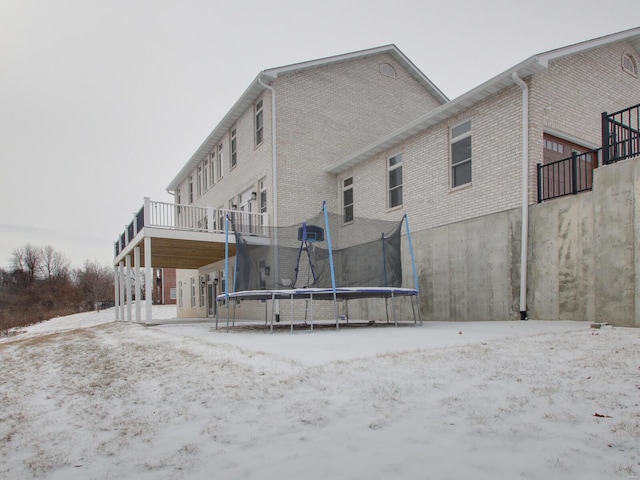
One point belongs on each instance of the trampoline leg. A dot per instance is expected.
(217, 310)
(419, 312)
(291, 313)
(393, 308)
(413, 308)
(273, 310)
(386, 307)
(266, 312)
(233, 320)
(311, 307)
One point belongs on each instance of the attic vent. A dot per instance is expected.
(388, 70)
(629, 64)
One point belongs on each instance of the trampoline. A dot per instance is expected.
(311, 294)
(304, 262)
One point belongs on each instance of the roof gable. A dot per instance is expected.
(256, 88)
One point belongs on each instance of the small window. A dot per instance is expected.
(259, 120)
(193, 292)
(220, 219)
(202, 289)
(205, 174)
(347, 200)
(234, 148)
(199, 180)
(212, 172)
(629, 64)
(219, 163)
(461, 154)
(190, 189)
(178, 200)
(172, 293)
(180, 295)
(394, 171)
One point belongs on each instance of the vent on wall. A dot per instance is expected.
(387, 70)
(629, 64)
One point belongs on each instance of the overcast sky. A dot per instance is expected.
(102, 102)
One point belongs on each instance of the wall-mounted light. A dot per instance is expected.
(215, 281)
(234, 206)
(254, 196)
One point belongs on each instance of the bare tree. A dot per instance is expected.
(27, 259)
(53, 266)
(95, 282)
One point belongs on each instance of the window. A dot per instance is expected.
(212, 170)
(202, 288)
(394, 170)
(219, 163)
(178, 200)
(234, 148)
(263, 195)
(220, 219)
(629, 64)
(180, 294)
(553, 146)
(259, 123)
(172, 293)
(461, 154)
(199, 181)
(193, 292)
(190, 189)
(205, 174)
(347, 200)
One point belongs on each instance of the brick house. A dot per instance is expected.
(368, 132)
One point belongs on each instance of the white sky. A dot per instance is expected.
(102, 102)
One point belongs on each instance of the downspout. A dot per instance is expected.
(274, 182)
(525, 195)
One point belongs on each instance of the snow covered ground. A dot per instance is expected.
(84, 397)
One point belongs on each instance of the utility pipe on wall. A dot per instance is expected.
(525, 194)
(274, 182)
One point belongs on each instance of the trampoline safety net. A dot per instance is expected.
(366, 253)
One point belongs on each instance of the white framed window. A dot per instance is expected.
(172, 293)
(262, 186)
(347, 200)
(212, 169)
(178, 200)
(259, 123)
(461, 154)
(220, 219)
(193, 292)
(199, 181)
(202, 286)
(190, 189)
(219, 163)
(394, 181)
(234, 148)
(205, 173)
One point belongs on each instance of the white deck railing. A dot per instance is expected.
(192, 218)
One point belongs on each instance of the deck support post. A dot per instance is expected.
(127, 261)
(148, 284)
(136, 269)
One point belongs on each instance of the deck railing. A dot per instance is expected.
(621, 135)
(567, 176)
(191, 218)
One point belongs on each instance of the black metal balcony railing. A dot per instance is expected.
(567, 176)
(621, 134)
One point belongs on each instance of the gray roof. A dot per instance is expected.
(529, 67)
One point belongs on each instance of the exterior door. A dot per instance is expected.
(558, 178)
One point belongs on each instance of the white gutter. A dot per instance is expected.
(525, 195)
(274, 183)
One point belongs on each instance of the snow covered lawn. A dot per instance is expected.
(83, 397)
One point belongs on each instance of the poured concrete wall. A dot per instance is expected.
(584, 257)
